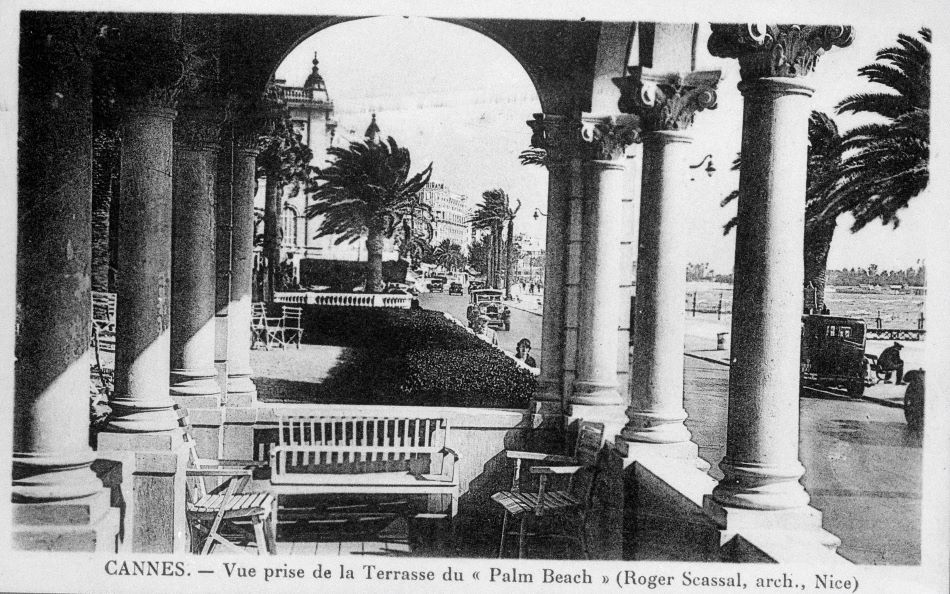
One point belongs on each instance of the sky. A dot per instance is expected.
(460, 100)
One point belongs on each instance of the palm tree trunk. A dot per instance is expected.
(817, 245)
(272, 235)
(374, 261)
(499, 250)
(511, 237)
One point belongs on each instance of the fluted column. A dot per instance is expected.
(666, 104)
(241, 389)
(761, 465)
(193, 375)
(51, 453)
(556, 135)
(595, 385)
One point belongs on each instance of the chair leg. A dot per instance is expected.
(259, 537)
(504, 533)
(521, 535)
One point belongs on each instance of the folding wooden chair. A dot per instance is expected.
(569, 506)
(210, 510)
(259, 326)
(290, 329)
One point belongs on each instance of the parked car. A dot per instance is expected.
(832, 353)
(436, 284)
(455, 289)
(488, 303)
(475, 285)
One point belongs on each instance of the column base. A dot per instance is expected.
(200, 384)
(593, 393)
(241, 390)
(684, 451)
(87, 524)
(153, 488)
(42, 477)
(612, 417)
(760, 487)
(656, 427)
(777, 530)
(132, 416)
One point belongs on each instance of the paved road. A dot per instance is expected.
(523, 324)
(863, 466)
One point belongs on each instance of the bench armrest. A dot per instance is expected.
(449, 452)
(540, 457)
(554, 469)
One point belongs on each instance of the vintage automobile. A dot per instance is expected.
(832, 353)
(436, 284)
(455, 288)
(488, 303)
(475, 285)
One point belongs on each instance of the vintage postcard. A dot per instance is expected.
(421, 297)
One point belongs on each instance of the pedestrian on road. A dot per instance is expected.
(890, 360)
(506, 318)
(522, 352)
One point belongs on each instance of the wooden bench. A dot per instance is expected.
(364, 455)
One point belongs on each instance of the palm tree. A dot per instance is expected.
(887, 163)
(449, 255)
(415, 236)
(825, 149)
(492, 214)
(284, 160)
(367, 192)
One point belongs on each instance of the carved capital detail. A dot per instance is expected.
(765, 50)
(198, 129)
(666, 101)
(556, 136)
(609, 136)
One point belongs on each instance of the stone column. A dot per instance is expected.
(555, 135)
(666, 104)
(59, 504)
(51, 453)
(595, 394)
(143, 438)
(142, 403)
(222, 248)
(193, 376)
(761, 465)
(241, 389)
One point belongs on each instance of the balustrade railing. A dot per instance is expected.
(346, 299)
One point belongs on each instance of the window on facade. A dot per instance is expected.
(288, 225)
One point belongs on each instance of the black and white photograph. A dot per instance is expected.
(413, 297)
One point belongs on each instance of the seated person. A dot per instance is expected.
(890, 360)
(524, 348)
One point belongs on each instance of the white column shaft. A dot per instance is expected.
(656, 374)
(241, 388)
(761, 465)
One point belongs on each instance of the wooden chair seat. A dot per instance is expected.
(516, 503)
(236, 506)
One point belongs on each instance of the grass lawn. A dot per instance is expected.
(389, 356)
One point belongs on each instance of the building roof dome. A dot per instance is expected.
(372, 131)
(315, 81)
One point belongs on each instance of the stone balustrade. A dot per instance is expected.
(346, 299)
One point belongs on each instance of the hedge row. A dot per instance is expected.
(416, 357)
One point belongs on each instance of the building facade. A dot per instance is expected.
(449, 214)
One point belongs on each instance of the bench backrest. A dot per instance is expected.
(356, 444)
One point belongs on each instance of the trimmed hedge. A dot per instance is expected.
(416, 357)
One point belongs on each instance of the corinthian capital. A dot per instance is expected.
(666, 101)
(556, 135)
(609, 136)
(776, 50)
